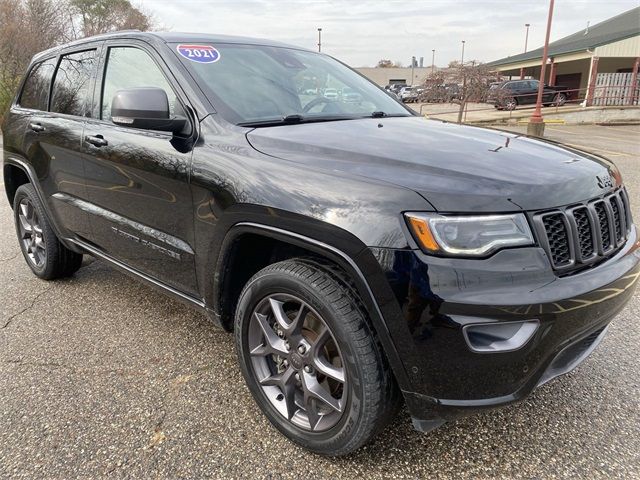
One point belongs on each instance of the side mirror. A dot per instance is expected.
(146, 108)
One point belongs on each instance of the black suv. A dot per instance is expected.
(362, 255)
(508, 95)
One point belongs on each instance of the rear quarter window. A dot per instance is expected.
(35, 93)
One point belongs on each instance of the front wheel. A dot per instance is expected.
(311, 358)
(510, 104)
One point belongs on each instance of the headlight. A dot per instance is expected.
(469, 235)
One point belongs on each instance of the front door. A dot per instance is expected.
(138, 180)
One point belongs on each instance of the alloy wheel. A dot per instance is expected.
(297, 362)
(31, 234)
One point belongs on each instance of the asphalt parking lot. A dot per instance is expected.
(101, 375)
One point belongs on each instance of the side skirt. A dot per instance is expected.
(189, 300)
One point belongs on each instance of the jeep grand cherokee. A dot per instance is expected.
(363, 256)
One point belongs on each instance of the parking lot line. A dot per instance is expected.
(594, 149)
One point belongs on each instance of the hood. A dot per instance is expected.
(456, 168)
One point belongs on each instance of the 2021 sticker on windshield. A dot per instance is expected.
(199, 53)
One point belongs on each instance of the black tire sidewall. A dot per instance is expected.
(341, 434)
(50, 240)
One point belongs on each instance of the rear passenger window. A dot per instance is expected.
(129, 67)
(71, 84)
(35, 93)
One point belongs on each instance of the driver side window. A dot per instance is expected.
(130, 67)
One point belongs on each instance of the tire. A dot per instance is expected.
(511, 104)
(560, 99)
(43, 252)
(368, 397)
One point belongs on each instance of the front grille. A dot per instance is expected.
(583, 228)
(579, 235)
(557, 235)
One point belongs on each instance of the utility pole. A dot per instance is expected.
(319, 39)
(462, 58)
(433, 61)
(536, 123)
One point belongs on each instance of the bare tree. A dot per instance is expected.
(91, 17)
(385, 63)
(30, 26)
(26, 27)
(474, 79)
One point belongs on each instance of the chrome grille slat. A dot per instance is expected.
(582, 234)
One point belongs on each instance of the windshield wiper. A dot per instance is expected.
(381, 114)
(291, 120)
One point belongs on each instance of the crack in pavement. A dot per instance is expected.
(28, 307)
(2, 260)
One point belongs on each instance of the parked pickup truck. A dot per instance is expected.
(508, 95)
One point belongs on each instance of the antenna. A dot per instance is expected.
(587, 30)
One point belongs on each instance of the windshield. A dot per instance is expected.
(254, 83)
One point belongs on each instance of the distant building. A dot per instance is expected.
(387, 76)
(580, 61)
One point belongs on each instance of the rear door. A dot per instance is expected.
(53, 139)
(138, 180)
(532, 91)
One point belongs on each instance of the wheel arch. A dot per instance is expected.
(239, 259)
(14, 176)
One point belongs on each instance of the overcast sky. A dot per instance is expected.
(361, 32)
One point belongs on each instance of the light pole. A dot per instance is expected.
(433, 61)
(413, 64)
(536, 123)
(526, 36)
(462, 58)
(319, 39)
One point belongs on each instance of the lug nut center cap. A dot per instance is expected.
(296, 361)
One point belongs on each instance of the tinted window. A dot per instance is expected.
(129, 67)
(533, 84)
(36, 88)
(71, 84)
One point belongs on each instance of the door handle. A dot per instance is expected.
(36, 127)
(96, 140)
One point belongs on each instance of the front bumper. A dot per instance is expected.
(440, 297)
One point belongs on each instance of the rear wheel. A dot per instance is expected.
(560, 99)
(311, 359)
(42, 250)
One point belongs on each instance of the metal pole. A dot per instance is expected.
(319, 40)
(462, 58)
(413, 62)
(526, 37)
(536, 124)
(433, 60)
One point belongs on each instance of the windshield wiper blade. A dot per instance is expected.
(291, 120)
(378, 114)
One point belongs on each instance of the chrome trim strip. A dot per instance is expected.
(103, 256)
(119, 219)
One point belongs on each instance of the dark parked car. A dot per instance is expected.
(362, 255)
(508, 95)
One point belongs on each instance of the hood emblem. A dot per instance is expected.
(604, 181)
(572, 160)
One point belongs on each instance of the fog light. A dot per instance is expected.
(499, 337)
